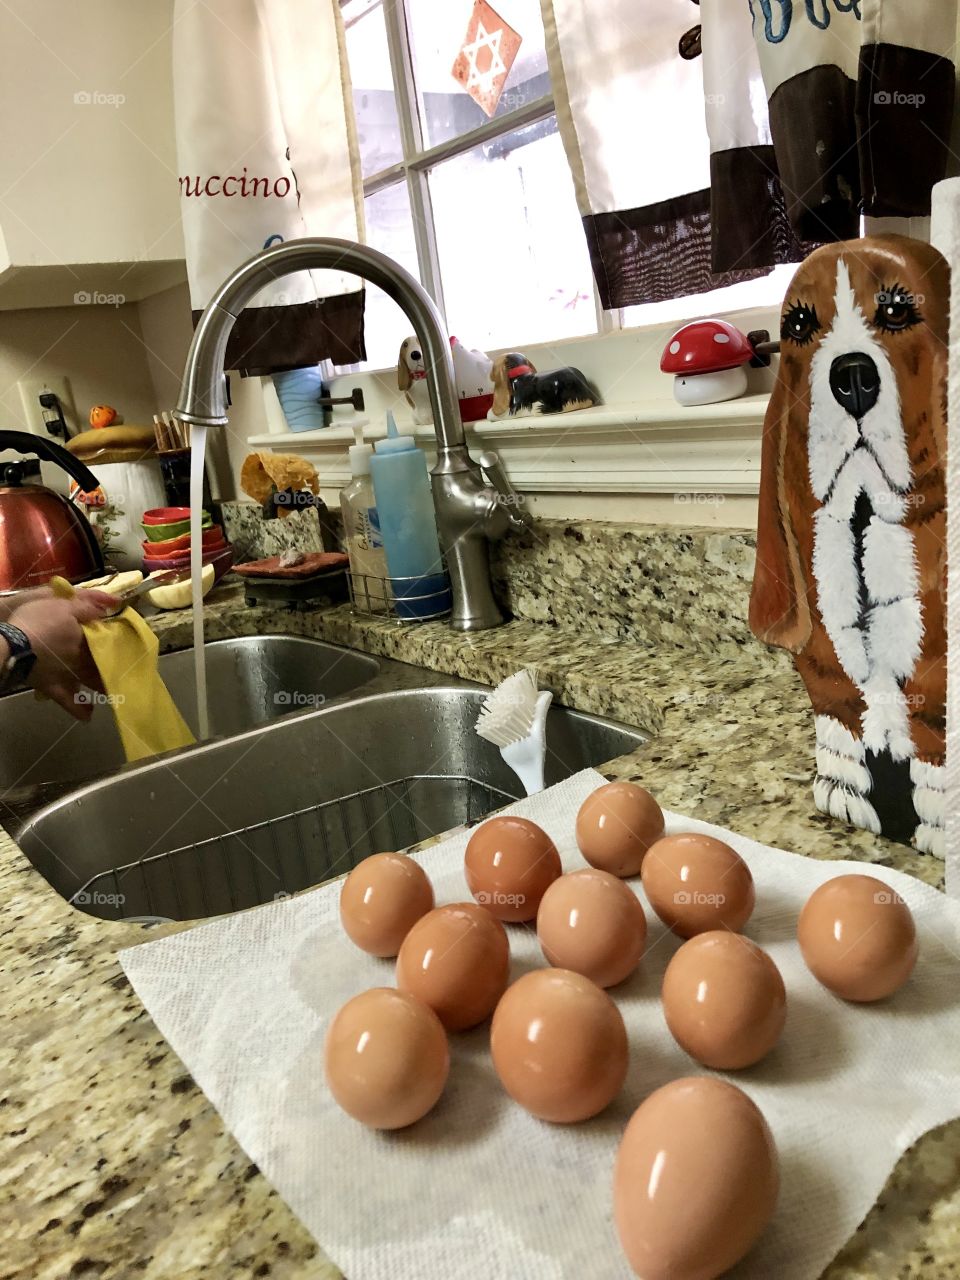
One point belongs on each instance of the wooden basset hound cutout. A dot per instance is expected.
(851, 538)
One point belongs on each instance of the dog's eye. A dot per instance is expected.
(896, 310)
(799, 324)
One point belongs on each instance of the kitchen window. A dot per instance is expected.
(481, 210)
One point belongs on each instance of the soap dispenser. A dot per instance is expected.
(361, 532)
(401, 484)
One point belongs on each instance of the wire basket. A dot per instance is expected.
(399, 598)
(280, 856)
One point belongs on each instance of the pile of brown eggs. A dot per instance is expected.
(696, 1176)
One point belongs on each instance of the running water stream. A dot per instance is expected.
(198, 447)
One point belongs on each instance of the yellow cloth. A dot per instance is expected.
(125, 652)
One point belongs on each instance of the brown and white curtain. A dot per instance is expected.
(264, 154)
(861, 97)
(696, 172)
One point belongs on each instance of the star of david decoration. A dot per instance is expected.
(488, 52)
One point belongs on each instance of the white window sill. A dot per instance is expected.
(655, 446)
(631, 458)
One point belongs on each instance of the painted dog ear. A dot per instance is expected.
(501, 387)
(403, 372)
(779, 607)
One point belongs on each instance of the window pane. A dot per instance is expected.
(374, 102)
(513, 256)
(389, 229)
(437, 32)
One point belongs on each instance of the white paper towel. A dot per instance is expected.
(945, 235)
(479, 1190)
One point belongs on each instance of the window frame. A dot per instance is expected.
(418, 159)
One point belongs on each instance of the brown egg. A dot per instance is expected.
(559, 1045)
(386, 1058)
(456, 959)
(616, 826)
(858, 938)
(381, 899)
(696, 883)
(509, 864)
(724, 1000)
(695, 1182)
(591, 922)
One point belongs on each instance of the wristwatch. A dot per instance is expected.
(16, 670)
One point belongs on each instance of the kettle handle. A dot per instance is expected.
(24, 442)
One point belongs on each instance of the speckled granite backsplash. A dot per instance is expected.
(643, 583)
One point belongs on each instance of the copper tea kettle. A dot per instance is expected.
(42, 534)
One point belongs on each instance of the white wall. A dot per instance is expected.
(131, 357)
(100, 349)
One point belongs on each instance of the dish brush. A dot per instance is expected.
(514, 718)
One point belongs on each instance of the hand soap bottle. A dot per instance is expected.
(418, 579)
(361, 532)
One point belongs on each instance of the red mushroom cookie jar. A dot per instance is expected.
(708, 359)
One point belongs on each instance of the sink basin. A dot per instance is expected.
(250, 680)
(233, 823)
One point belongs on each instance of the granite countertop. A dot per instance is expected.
(116, 1166)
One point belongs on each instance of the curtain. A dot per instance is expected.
(265, 152)
(631, 113)
(697, 172)
(861, 99)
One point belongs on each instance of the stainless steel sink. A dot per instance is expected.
(250, 679)
(233, 823)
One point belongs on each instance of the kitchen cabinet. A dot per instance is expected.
(89, 203)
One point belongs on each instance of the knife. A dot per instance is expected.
(165, 579)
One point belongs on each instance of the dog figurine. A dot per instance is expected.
(851, 540)
(471, 371)
(412, 380)
(519, 388)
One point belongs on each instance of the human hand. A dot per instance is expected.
(54, 628)
(8, 604)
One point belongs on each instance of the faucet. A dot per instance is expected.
(474, 504)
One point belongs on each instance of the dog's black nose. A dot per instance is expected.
(414, 355)
(855, 383)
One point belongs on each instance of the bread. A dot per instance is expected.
(90, 445)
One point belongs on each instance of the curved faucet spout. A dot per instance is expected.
(203, 394)
(469, 511)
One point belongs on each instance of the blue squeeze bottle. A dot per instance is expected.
(408, 526)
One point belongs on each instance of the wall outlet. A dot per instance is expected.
(30, 391)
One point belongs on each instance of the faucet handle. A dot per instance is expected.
(514, 503)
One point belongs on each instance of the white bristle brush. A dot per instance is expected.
(514, 718)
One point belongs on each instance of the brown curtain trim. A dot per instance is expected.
(814, 134)
(748, 214)
(268, 340)
(904, 112)
(656, 252)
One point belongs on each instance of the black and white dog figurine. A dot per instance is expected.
(519, 388)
